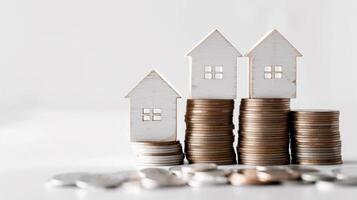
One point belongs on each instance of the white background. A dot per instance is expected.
(65, 66)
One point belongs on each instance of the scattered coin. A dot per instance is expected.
(346, 175)
(317, 176)
(274, 173)
(198, 175)
(157, 178)
(198, 167)
(177, 170)
(248, 176)
(110, 180)
(209, 178)
(66, 179)
(302, 169)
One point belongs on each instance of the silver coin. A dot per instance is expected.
(160, 158)
(343, 172)
(346, 175)
(66, 179)
(177, 170)
(302, 169)
(317, 176)
(149, 151)
(209, 178)
(142, 164)
(267, 168)
(157, 177)
(157, 148)
(198, 167)
(111, 180)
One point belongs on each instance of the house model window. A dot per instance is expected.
(214, 72)
(151, 114)
(273, 72)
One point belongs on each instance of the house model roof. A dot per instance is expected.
(152, 76)
(212, 37)
(274, 38)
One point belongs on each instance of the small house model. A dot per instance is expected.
(213, 68)
(272, 67)
(153, 110)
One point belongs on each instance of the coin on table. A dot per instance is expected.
(157, 177)
(272, 173)
(302, 169)
(209, 178)
(66, 179)
(342, 172)
(247, 176)
(110, 180)
(346, 175)
(317, 176)
(198, 167)
(177, 170)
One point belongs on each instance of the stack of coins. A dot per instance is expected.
(264, 132)
(158, 153)
(315, 137)
(209, 131)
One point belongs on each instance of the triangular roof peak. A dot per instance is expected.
(154, 74)
(275, 35)
(215, 33)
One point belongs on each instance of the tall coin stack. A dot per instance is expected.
(264, 132)
(315, 137)
(209, 131)
(158, 153)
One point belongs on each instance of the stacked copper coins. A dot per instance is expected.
(209, 131)
(315, 137)
(158, 153)
(264, 132)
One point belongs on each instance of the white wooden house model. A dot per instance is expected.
(153, 110)
(272, 67)
(213, 68)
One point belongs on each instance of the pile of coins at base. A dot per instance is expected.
(158, 153)
(209, 131)
(264, 132)
(200, 175)
(315, 137)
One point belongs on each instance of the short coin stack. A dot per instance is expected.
(264, 132)
(209, 131)
(315, 137)
(158, 153)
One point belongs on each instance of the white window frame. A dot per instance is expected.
(151, 114)
(213, 72)
(273, 72)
